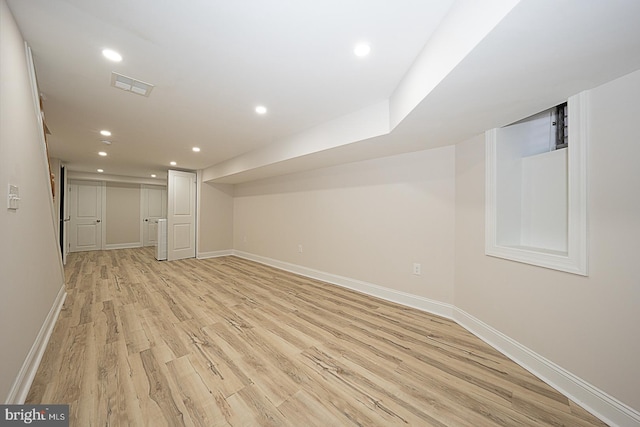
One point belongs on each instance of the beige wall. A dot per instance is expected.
(587, 325)
(122, 214)
(371, 220)
(215, 221)
(368, 221)
(29, 257)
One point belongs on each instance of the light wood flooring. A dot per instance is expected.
(228, 342)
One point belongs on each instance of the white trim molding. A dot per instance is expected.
(594, 400)
(90, 176)
(103, 215)
(409, 300)
(575, 259)
(214, 254)
(22, 383)
(110, 246)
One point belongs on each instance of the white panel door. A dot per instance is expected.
(154, 207)
(181, 215)
(85, 212)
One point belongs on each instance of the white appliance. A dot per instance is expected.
(161, 248)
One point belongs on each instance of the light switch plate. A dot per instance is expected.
(13, 197)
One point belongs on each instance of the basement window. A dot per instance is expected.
(560, 123)
(536, 189)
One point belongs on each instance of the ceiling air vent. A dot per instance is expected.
(130, 84)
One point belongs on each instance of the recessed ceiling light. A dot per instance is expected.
(100, 170)
(105, 133)
(102, 153)
(172, 163)
(261, 109)
(361, 49)
(104, 141)
(153, 175)
(196, 149)
(111, 55)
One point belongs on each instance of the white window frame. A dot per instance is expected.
(575, 260)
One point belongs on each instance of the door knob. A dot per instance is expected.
(97, 220)
(146, 220)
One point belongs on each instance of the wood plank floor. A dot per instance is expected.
(228, 342)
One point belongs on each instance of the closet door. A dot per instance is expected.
(181, 215)
(85, 216)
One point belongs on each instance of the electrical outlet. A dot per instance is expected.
(417, 269)
(299, 249)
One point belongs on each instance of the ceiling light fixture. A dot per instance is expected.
(102, 153)
(111, 55)
(361, 50)
(100, 170)
(153, 175)
(196, 149)
(172, 163)
(261, 109)
(104, 141)
(105, 133)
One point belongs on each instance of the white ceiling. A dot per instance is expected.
(439, 71)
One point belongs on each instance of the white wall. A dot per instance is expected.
(545, 201)
(586, 325)
(519, 149)
(30, 263)
(368, 221)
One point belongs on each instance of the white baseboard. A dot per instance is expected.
(22, 384)
(214, 254)
(123, 246)
(409, 300)
(596, 401)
